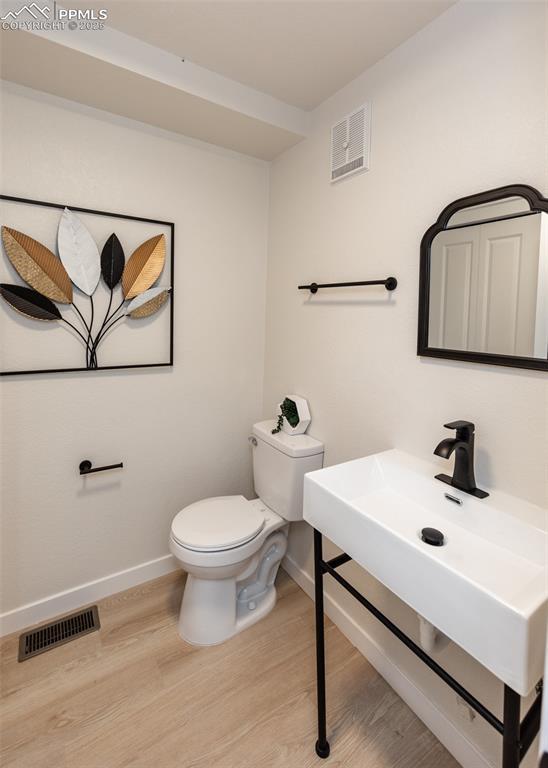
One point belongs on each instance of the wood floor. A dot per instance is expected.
(134, 695)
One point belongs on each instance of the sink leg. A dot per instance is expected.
(511, 735)
(322, 745)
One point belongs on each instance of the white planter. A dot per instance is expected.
(304, 416)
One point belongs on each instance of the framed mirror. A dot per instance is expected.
(483, 291)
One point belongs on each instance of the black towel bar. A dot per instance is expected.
(86, 467)
(390, 284)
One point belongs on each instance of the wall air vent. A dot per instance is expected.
(58, 632)
(350, 143)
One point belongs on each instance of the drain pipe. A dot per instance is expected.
(430, 638)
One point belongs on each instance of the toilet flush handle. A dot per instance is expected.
(253, 440)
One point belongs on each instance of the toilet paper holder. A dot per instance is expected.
(87, 468)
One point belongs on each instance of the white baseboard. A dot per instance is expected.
(72, 599)
(443, 729)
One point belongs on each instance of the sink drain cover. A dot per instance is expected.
(432, 536)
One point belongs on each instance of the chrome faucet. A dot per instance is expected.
(463, 447)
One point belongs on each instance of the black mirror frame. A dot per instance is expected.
(537, 204)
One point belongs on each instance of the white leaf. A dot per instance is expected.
(78, 252)
(145, 297)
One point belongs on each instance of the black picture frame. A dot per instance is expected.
(537, 204)
(109, 214)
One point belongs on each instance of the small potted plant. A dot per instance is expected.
(293, 416)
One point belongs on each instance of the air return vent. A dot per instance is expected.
(58, 632)
(350, 140)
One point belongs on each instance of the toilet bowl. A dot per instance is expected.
(230, 584)
(231, 548)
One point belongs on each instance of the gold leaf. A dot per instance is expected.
(147, 308)
(144, 266)
(37, 265)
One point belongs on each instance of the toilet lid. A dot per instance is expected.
(223, 522)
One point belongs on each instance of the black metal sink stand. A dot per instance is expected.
(517, 734)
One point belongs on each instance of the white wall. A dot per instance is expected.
(181, 432)
(458, 109)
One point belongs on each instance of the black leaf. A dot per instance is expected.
(112, 261)
(29, 302)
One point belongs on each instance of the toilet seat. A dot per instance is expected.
(217, 524)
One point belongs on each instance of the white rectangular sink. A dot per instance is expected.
(486, 588)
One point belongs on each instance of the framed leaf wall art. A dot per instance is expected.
(83, 290)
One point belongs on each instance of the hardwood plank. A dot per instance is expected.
(134, 695)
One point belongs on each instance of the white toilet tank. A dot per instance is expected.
(280, 463)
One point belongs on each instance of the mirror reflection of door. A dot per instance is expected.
(489, 287)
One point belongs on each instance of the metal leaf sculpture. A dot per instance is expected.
(37, 265)
(148, 303)
(79, 261)
(112, 261)
(29, 302)
(78, 252)
(144, 266)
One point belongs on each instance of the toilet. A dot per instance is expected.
(231, 547)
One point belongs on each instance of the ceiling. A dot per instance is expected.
(253, 69)
(37, 63)
(299, 51)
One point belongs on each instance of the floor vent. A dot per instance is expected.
(58, 632)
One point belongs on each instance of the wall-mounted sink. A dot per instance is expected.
(486, 587)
